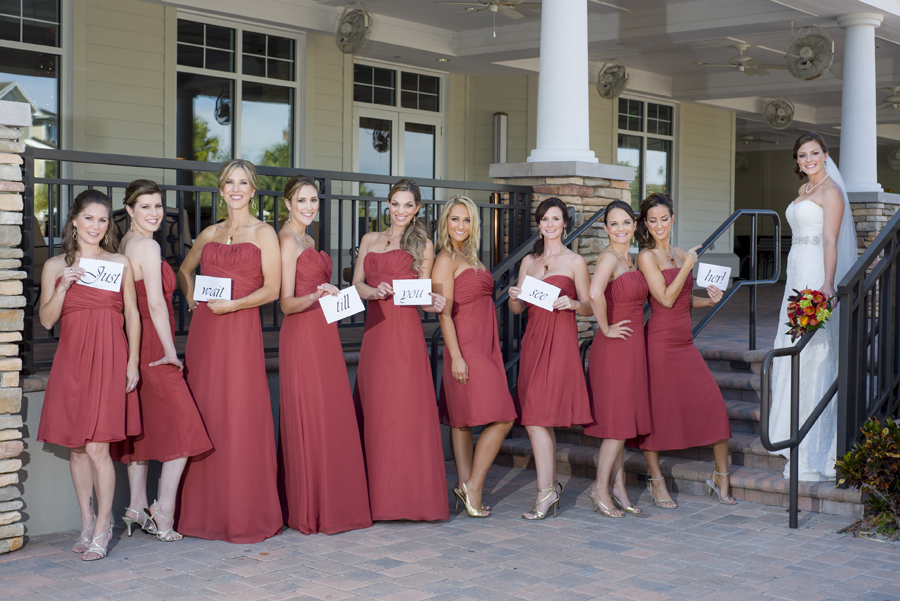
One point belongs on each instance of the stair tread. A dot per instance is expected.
(748, 478)
(743, 410)
(723, 355)
(737, 380)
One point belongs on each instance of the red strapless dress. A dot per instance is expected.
(324, 471)
(686, 405)
(617, 368)
(485, 398)
(172, 424)
(395, 396)
(85, 400)
(231, 493)
(551, 389)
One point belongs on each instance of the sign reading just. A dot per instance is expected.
(103, 275)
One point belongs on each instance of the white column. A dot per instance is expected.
(563, 121)
(859, 129)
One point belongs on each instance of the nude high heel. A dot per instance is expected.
(147, 525)
(665, 503)
(713, 488)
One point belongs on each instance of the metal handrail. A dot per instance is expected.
(798, 432)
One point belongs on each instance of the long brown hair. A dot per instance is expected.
(69, 244)
(642, 232)
(138, 188)
(538, 248)
(415, 238)
(807, 137)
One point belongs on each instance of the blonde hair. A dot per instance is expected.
(229, 167)
(470, 246)
(415, 238)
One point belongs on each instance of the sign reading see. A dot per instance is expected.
(539, 293)
(343, 305)
(713, 275)
(208, 288)
(104, 275)
(412, 292)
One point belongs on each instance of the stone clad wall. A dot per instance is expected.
(870, 215)
(12, 315)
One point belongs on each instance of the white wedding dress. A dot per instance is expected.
(819, 360)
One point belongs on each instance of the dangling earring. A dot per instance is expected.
(222, 203)
(131, 229)
(74, 234)
(106, 239)
(253, 204)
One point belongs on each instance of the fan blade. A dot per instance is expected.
(511, 13)
(758, 65)
(481, 4)
(718, 65)
(751, 71)
(611, 5)
(531, 5)
(468, 11)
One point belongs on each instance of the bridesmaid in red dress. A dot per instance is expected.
(551, 388)
(474, 390)
(617, 367)
(394, 387)
(85, 402)
(173, 428)
(231, 493)
(324, 472)
(686, 405)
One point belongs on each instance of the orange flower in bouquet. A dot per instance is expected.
(807, 310)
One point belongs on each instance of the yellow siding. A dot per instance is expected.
(491, 94)
(456, 134)
(601, 126)
(325, 77)
(706, 169)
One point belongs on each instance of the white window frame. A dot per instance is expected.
(298, 85)
(643, 134)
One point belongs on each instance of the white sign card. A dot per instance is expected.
(713, 274)
(412, 292)
(103, 275)
(539, 293)
(207, 288)
(343, 305)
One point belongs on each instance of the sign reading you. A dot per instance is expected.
(103, 275)
(539, 293)
(208, 288)
(412, 292)
(343, 305)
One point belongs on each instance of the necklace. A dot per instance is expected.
(547, 263)
(671, 256)
(627, 261)
(808, 189)
(232, 233)
(302, 235)
(391, 239)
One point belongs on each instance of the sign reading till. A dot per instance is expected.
(103, 275)
(412, 292)
(343, 305)
(208, 288)
(539, 293)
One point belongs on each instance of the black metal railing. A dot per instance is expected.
(511, 326)
(752, 283)
(346, 213)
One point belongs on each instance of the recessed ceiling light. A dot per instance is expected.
(443, 60)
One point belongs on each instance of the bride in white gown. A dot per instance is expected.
(823, 248)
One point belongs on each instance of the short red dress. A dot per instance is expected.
(617, 369)
(172, 424)
(395, 396)
(85, 400)
(231, 493)
(324, 471)
(551, 389)
(686, 406)
(485, 398)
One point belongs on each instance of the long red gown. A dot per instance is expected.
(485, 397)
(617, 368)
(551, 389)
(686, 405)
(172, 424)
(231, 493)
(395, 394)
(324, 471)
(85, 400)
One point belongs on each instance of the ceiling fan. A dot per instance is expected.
(892, 101)
(743, 63)
(504, 7)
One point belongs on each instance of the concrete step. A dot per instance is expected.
(734, 361)
(738, 386)
(688, 476)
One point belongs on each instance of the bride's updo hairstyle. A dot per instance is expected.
(807, 137)
(642, 232)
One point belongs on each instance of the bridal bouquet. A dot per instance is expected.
(807, 310)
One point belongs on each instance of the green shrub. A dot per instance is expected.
(873, 466)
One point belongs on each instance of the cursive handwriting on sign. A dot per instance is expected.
(539, 293)
(104, 275)
(715, 275)
(344, 305)
(208, 288)
(213, 292)
(412, 292)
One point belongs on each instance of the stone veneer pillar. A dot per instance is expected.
(871, 212)
(586, 187)
(12, 115)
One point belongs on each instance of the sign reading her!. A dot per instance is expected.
(713, 274)
(343, 305)
(539, 293)
(104, 275)
(207, 288)
(412, 292)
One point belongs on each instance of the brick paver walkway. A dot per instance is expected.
(702, 550)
